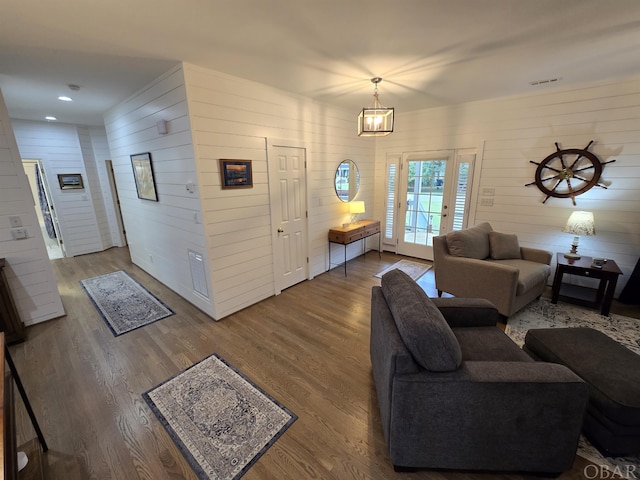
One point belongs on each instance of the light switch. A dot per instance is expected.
(19, 233)
(15, 220)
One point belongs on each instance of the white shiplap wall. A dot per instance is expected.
(28, 269)
(211, 116)
(160, 234)
(62, 149)
(510, 132)
(95, 151)
(234, 118)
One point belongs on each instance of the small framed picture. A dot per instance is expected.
(143, 175)
(236, 174)
(70, 181)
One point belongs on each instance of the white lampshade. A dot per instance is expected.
(356, 207)
(579, 223)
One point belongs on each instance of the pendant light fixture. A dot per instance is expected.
(375, 121)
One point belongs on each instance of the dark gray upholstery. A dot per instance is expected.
(498, 411)
(612, 371)
(420, 323)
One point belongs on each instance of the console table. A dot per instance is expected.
(589, 297)
(352, 233)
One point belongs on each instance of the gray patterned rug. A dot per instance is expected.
(544, 314)
(414, 269)
(123, 303)
(221, 422)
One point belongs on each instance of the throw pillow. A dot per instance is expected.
(504, 246)
(422, 327)
(472, 242)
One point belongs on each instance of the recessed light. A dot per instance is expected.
(64, 98)
(50, 118)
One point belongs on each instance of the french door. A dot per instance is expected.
(433, 192)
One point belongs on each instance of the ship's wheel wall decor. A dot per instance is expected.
(568, 173)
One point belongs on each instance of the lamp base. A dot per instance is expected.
(572, 256)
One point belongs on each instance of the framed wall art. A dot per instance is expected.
(236, 174)
(143, 175)
(70, 181)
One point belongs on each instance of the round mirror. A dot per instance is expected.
(347, 180)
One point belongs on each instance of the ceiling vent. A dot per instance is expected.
(546, 81)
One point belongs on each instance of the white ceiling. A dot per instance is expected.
(429, 52)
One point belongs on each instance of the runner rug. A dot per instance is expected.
(544, 314)
(123, 303)
(414, 269)
(221, 422)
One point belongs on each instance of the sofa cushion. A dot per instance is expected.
(422, 327)
(488, 344)
(503, 246)
(530, 274)
(470, 243)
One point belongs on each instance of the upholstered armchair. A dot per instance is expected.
(455, 392)
(481, 263)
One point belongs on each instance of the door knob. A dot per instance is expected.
(280, 230)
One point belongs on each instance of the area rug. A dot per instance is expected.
(221, 422)
(544, 314)
(123, 303)
(414, 269)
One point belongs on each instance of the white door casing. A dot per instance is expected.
(288, 193)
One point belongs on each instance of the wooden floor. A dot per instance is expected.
(308, 347)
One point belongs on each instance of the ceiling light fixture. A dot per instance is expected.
(375, 121)
(64, 98)
(50, 118)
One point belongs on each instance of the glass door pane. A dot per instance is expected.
(425, 208)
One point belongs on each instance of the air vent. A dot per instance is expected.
(545, 81)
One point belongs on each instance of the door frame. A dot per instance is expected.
(270, 144)
(49, 198)
(113, 186)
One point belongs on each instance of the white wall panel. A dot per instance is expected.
(232, 118)
(67, 149)
(160, 234)
(513, 131)
(28, 270)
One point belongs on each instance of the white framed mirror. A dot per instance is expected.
(347, 181)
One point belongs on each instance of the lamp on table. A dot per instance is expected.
(579, 223)
(355, 208)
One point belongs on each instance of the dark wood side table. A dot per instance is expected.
(589, 297)
(352, 233)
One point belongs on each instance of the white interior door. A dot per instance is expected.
(287, 182)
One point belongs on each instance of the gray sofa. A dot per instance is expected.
(480, 263)
(456, 393)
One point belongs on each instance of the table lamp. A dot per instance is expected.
(355, 208)
(579, 223)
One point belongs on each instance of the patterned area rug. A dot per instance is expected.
(221, 422)
(123, 303)
(414, 269)
(544, 314)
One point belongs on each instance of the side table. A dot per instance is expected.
(352, 233)
(590, 297)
